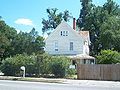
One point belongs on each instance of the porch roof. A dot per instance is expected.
(81, 56)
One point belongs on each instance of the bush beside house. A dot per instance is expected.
(11, 66)
(108, 57)
(59, 66)
(40, 65)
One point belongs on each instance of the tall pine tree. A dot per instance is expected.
(86, 7)
(93, 18)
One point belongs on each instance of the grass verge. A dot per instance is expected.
(46, 80)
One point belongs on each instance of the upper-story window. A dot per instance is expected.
(61, 33)
(64, 33)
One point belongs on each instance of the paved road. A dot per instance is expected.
(22, 85)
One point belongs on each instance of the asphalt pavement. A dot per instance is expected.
(81, 85)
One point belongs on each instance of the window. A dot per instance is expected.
(64, 33)
(61, 33)
(71, 46)
(56, 45)
(56, 49)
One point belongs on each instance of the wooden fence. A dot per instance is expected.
(98, 72)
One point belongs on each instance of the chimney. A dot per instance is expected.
(74, 23)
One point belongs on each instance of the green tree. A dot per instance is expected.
(86, 7)
(12, 43)
(4, 43)
(54, 19)
(110, 33)
(111, 7)
(94, 21)
(28, 43)
(7, 34)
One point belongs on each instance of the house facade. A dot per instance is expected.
(65, 40)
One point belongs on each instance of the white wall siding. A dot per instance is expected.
(64, 41)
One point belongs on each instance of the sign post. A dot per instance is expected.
(23, 68)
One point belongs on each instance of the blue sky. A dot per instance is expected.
(26, 14)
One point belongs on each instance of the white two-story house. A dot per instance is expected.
(65, 40)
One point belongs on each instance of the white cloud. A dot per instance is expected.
(24, 21)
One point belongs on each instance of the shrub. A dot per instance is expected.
(53, 65)
(39, 65)
(59, 66)
(11, 66)
(71, 72)
(43, 64)
(108, 57)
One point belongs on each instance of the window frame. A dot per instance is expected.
(64, 33)
(71, 46)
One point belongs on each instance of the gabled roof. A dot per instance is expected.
(64, 24)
